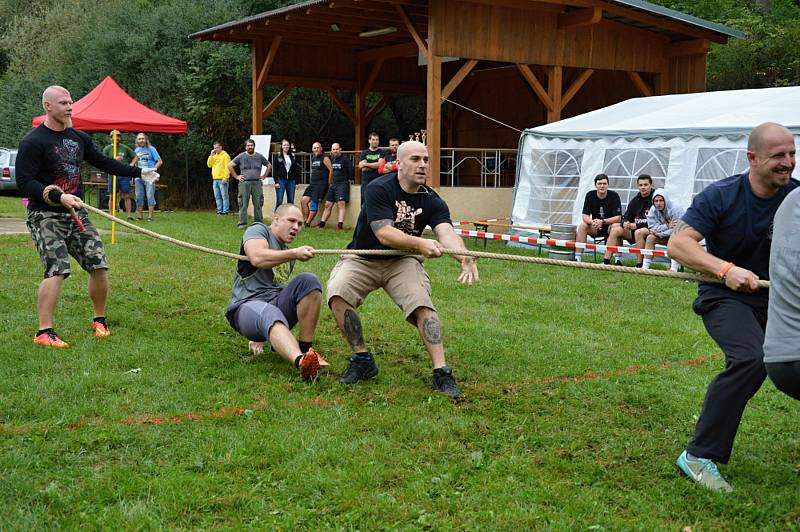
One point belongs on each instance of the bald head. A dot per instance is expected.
(57, 104)
(53, 93)
(286, 208)
(762, 134)
(409, 146)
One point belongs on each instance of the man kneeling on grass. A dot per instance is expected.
(262, 307)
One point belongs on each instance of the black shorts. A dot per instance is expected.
(339, 192)
(316, 192)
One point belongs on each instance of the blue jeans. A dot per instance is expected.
(142, 187)
(221, 195)
(287, 187)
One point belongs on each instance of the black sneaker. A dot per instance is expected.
(361, 368)
(443, 381)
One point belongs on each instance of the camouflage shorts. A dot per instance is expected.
(57, 237)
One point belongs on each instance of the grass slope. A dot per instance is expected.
(581, 386)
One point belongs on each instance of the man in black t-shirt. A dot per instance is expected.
(50, 156)
(368, 162)
(396, 210)
(339, 191)
(601, 208)
(734, 216)
(634, 222)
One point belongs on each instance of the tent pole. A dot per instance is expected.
(113, 206)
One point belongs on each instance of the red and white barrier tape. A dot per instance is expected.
(561, 243)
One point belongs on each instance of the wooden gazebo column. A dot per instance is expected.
(257, 59)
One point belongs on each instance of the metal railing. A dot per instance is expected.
(459, 167)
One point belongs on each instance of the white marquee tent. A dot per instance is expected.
(684, 141)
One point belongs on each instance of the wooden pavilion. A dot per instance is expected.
(521, 62)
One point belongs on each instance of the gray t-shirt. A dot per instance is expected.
(782, 341)
(262, 284)
(250, 165)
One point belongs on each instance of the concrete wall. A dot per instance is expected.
(466, 203)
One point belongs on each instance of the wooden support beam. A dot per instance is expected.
(257, 99)
(360, 126)
(433, 119)
(693, 47)
(459, 76)
(554, 88)
(423, 47)
(373, 75)
(408, 49)
(271, 55)
(643, 87)
(270, 108)
(576, 86)
(342, 105)
(537, 87)
(661, 79)
(527, 4)
(377, 108)
(585, 16)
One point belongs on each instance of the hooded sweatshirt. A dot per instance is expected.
(658, 221)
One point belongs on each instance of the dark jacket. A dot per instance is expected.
(279, 169)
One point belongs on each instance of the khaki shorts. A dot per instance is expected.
(403, 279)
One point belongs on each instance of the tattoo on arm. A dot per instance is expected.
(352, 329)
(432, 331)
(377, 225)
(682, 226)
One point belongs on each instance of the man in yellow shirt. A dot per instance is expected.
(218, 162)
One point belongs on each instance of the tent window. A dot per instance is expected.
(555, 176)
(623, 166)
(714, 164)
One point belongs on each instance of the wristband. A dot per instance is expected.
(724, 271)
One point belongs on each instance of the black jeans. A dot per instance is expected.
(738, 328)
(786, 376)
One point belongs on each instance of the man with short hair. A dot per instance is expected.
(125, 155)
(601, 209)
(218, 161)
(265, 304)
(735, 216)
(339, 191)
(396, 210)
(391, 155)
(321, 175)
(369, 161)
(50, 156)
(249, 177)
(634, 222)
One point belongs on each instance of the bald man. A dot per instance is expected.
(735, 217)
(396, 210)
(52, 154)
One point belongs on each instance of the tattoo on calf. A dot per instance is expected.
(352, 329)
(432, 331)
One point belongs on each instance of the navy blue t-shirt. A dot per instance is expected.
(386, 200)
(736, 224)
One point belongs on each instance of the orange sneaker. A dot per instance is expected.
(101, 330)
(309, 365)
(50, 339)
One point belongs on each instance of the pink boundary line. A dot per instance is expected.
(226, 412)
(561, 243)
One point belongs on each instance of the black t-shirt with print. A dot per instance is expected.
(607, 207)
(386, 200)
(369, 174)
(342, 169)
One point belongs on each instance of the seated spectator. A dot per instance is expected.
(634, 222)
(601, 209)
(661, 220)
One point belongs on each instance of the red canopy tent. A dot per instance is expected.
(107, 106)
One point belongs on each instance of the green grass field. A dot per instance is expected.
(581, 389)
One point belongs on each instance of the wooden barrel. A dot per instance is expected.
(563, 232)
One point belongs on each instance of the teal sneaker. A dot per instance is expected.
(704, 472)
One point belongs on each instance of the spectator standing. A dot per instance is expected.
(125, 155)
(339, 191)
(601, 209)
(249, 177)
(285, 172)
(146, 157)
(321, 175)
(218, 162)
(369, 161)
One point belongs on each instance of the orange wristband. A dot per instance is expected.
(724, 271)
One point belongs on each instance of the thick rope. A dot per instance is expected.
(446, 251)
